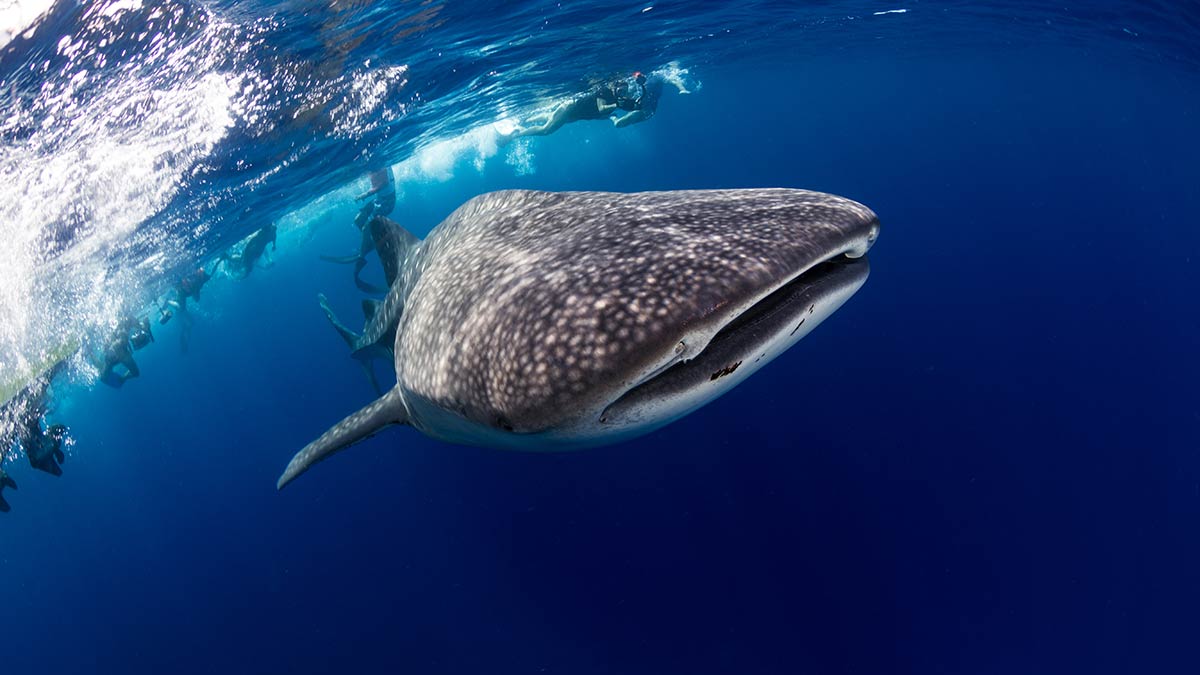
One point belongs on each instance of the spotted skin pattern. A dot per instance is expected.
(525, 313)
(530, 306)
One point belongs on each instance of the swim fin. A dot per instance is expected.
(48, 465)
(369, 288)
(348, 335)
(370, 371)
(341, 259)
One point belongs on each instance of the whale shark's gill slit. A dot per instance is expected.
(799, 324)
(661, 369)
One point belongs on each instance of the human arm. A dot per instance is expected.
(604, 107)
(380, 180)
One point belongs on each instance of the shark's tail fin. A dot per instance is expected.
(385, 411)
(348, 335)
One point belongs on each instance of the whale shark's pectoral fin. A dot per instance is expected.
(4, 507)
(385, 411)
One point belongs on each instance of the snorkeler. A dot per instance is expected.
(382, 233)
(638, 96)
(383, 188)
(5, 482)
(21, 419)
(596, 104)
(131, 335)
(241, 264)
(44, 448)
(188, 287)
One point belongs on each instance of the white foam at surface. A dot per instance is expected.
(363, 109)
(90, 171)
(17, 15)
(437, 160)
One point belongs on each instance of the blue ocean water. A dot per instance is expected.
(986, 462)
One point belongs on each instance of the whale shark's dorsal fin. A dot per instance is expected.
(393, 243)
(384, 412)
(369, 307)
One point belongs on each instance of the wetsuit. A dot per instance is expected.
(5, 482)
(383, 188)
(243, 263)
(44, 448)
(644, 97)
(131, 334)
(583, 106)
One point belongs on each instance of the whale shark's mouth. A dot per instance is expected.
(778, 304)
(745, 343)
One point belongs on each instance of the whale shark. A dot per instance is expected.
(535, 320)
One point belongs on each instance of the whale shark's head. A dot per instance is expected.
(550, 320)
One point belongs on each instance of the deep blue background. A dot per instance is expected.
(985, 463)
